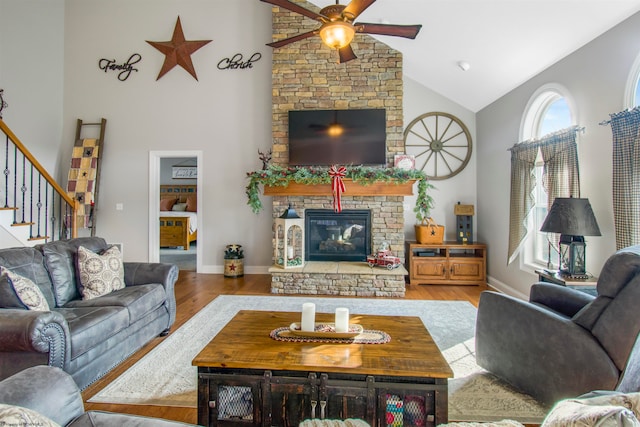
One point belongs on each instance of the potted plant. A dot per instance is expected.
(427, 231)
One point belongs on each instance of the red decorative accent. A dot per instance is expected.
(337, 185)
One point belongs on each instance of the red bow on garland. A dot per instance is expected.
(337, 185)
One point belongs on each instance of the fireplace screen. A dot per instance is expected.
(344, 236)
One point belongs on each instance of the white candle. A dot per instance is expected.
(289, 252)
(308, 323)
(342, 319)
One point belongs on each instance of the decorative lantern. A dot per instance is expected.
(573, 218)
(464, 223)
(289, 244)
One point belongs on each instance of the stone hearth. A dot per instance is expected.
(339, 278)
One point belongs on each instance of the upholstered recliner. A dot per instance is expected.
(564, 343)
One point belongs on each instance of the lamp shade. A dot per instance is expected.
(337, 34)
(571, 216)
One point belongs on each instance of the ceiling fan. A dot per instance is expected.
(338, 29)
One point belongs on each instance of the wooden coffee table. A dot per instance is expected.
(247, 378)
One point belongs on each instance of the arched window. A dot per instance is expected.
(548, 111)
(632, 91)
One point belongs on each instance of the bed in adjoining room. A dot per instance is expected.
(178, 215)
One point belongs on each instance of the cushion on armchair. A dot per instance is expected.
(602, 409)
(18, 416)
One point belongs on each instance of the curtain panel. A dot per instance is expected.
(625, 127)
(561, 179)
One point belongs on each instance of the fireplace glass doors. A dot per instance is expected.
(344, 236)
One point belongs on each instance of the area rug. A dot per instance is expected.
(166, 377)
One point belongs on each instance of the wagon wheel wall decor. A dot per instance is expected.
(440, 143)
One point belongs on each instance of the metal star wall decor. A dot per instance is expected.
(178, 51)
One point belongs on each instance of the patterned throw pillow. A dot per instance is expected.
(18, 416)
(27, 291)
(100, 274)
(602, 411)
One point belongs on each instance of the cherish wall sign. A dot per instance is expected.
(238, 62)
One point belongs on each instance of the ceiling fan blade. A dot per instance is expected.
(408, 31)
(346, 54)
(295, 38)
(356, 7)
(286, 4)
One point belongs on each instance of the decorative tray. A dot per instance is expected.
(326, 330)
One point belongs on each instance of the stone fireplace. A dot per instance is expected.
(307, 75)
(352, 278)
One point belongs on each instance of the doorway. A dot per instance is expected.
(174, 168)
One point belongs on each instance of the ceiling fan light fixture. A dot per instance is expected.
(337, 34)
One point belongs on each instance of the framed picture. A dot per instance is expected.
(184, 172)
(404, 161)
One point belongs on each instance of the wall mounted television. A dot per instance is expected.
(337, 137)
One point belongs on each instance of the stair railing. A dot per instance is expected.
(36, 199)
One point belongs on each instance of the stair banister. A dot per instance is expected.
(43, 172)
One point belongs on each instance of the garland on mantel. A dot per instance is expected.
(276, 175)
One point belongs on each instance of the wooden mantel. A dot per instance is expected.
(380, 188)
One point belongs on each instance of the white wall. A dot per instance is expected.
(31, 74)
(460, 188)
(596, 76)
(226, 113)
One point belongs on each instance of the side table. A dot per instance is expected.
(587, 284)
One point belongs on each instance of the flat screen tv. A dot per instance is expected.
(337, 137)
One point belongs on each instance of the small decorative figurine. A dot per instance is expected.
(265, 158)
(384, 258)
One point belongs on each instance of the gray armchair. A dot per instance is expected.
(562, 342)
(52, 393)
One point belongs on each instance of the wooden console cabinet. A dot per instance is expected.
(447, 263)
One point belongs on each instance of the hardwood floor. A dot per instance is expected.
(194, 291)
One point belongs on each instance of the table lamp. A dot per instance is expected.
(573, 218)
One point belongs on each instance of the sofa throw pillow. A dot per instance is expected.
(167, 204)
(8, 296)
(28, 292)
(18, 416)
(100, 274)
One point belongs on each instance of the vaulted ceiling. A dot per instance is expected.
(504, 42)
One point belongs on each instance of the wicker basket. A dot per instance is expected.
(429, 232)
